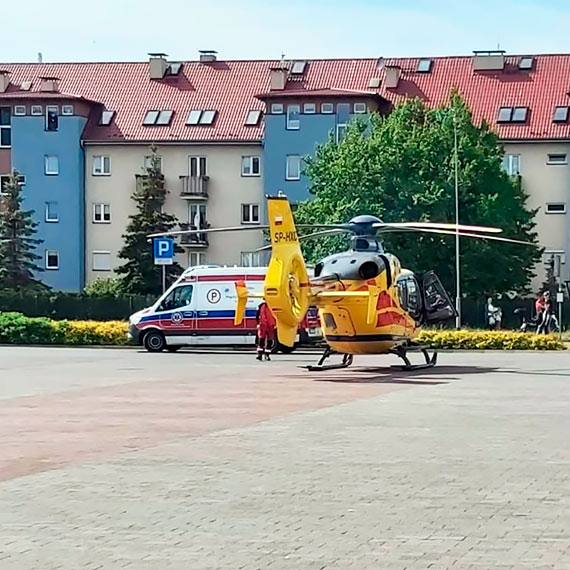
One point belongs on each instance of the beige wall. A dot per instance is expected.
(546, 183)
(227, 191)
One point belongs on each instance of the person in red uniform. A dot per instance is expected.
(542, 306)
(265, 331)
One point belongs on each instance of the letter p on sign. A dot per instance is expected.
(163, 251)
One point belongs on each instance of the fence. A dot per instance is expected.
(73, 306)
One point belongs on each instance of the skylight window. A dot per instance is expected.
(174, 68)
(519, 114)
(374, 82)
(207, 117)
(106, 117)
(252, 118)
(424, 65)
(298, 67)
(526, 63)
(561, 115)
(26, 85)
(193, 117)
(164, 117)
(151, 117)
(505, 114)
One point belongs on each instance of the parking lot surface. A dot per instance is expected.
(119, 459)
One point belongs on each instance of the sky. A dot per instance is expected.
(126, 30)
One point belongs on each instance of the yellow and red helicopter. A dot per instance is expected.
(368, 304)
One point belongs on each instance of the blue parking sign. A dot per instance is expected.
(163, 251)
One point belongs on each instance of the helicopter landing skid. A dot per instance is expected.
(319, 366)
(402, 352)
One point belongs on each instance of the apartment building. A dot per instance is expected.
(525, 99)
(229, 132)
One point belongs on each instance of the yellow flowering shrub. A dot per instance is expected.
(93, 332)
(488, 340)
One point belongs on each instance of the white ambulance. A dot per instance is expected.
(199, 309)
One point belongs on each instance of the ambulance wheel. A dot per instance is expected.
(154, 341)
(173, 348)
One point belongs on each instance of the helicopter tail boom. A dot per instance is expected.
(287, 289)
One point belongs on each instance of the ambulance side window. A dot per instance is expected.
(179, 297)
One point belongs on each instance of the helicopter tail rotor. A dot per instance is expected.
(287, 290)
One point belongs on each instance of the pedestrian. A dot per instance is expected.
(265, 331)
(493, 314)
(543, 306)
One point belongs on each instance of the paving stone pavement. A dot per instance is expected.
(466, 466)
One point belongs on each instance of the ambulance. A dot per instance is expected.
(199, 310)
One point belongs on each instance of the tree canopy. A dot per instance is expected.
(139, 274)
(401, 168)
(18, 260)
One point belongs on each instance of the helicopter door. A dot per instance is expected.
(437, 304)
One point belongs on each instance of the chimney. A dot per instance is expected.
(392, 77)
(49, 84)
(158, 65)
(208, 55)
(488, 60)
(278, 79)
(4, 80)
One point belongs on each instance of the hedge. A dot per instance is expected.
(16, 328)
(489, 340)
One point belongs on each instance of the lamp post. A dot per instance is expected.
(457, 252)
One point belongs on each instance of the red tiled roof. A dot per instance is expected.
(230, 88)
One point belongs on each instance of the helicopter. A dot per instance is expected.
(368, 303)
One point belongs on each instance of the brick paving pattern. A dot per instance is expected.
(121, 460)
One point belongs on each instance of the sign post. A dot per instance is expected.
(163, 255)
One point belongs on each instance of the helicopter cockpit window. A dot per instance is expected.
(410, 297)
(179, 297)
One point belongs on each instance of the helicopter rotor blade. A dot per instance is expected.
(438, 226)
(462, 234)
(208, 231)
(325, 233)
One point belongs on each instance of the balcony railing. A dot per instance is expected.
(193, 240)
(194, 186)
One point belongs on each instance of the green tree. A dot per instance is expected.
(139, 274)
(109, 287)
(401, 168)
(17, 242)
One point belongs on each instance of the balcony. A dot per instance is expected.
(193, 240)
(194, 187)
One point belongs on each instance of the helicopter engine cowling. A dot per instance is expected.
(353, 266)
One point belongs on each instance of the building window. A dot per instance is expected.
(20, 110)
(106, 117)
(51, 165)
(51, 212)
(512, 164)
(37, 110)
(309, 108)
(196, 258)
(505, 114)
(360, 108)
(52, 119)
(197, 165)
(159, 118)
(254, 259)
(252, 118)
(557, 159)
(250, 165)
(556, 208)
(147, 163)
(327, 108)
(250, 213)
(424, 66)
(101, 213)
(560, 115)
(101, 165)
(276, 108)
(519, 114)
(67, 110)
(293, 167)
(52, 259)
(340, 132)
(5, 127)
(293, 117)
(101, 261)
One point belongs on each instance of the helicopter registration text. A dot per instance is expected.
(287, 237)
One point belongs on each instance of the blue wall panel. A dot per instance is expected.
(30, 144)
